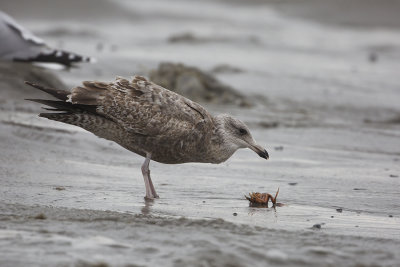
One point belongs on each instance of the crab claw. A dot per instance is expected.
(273, 200)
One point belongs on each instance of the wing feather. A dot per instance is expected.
(144, 108)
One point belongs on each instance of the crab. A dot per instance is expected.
(261, 199)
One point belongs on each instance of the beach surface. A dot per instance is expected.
(326, 107)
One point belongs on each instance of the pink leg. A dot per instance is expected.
(150, 190)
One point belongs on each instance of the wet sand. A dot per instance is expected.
(327, 116)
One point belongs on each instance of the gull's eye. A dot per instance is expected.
(242, 131)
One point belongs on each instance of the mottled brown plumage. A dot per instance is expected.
(151, 121)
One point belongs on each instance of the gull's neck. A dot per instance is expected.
(221, 148)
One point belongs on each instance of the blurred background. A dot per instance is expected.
(313, 54)
(317, 81)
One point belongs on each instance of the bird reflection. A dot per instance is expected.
(148, 204)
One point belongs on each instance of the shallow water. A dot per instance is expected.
(318, 89)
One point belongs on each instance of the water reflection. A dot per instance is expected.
(148, 204)
(262, 211)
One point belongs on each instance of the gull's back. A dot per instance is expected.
(140, 116)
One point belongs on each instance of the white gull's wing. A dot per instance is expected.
(23, 32)
(19, 44)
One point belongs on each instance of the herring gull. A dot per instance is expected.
(151, 121)
(19, 44)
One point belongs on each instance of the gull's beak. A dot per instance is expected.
(259, 150)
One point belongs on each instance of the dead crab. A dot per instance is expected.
(261, 199)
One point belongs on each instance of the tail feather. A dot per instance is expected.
(98, 125)
(66, 106)
(60, 94)
(81, 112)
(53, 109)
(63, 110)
(62, 106)
(61, 117)
(77, 119)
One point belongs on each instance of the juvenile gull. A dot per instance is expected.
(151, 121)
(19, 44)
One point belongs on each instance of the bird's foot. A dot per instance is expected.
(151, 197)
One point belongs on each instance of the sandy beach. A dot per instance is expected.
(325, 91)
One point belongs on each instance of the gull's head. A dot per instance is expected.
(238, 135)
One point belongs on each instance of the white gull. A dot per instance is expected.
(19, 44)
